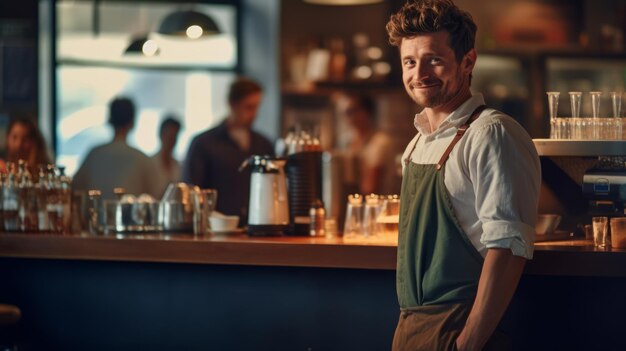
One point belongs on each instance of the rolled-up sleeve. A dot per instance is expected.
(506, 175)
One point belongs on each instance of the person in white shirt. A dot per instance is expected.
(167, 165)
(469, 193)
(370, 147)
(117, 164)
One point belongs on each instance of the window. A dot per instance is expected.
(185, 77)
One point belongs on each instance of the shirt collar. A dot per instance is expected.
(455, 119)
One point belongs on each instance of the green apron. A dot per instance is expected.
(438, 267)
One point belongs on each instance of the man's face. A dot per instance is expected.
(169, 137)
(19, 143)
(357, 115)
(432, 77)
(244, 111)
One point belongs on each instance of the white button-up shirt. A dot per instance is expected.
(493, 176)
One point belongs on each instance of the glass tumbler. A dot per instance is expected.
(553, 105)
(389, 215)
(617, 127)
(597, 130)
(204, 201)
(575, 98)
(616, 100)
(600, 231)
(618, 232)
(371, 226)
(353, 225)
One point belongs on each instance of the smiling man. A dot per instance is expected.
(469, 194)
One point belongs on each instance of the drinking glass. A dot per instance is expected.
(204, 201)
(618, 232)
(353, 225)
(600, 231)
(330, 226)
(371, 227)
(575, 98)
(616, 99)
(595, 110)
(553, 105)
(389, 216)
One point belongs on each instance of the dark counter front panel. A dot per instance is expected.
(238, 293)
(99, 305)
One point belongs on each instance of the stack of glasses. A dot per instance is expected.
(372, 216)
(586, 128)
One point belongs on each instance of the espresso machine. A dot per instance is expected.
(605, 190)
(268, 207)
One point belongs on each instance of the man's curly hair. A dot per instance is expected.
(430, 16)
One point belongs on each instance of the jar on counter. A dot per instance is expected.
(317, 214)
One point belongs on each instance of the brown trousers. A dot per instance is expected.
(435, 328)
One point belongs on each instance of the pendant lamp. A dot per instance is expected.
(142, 46)
(189, 23)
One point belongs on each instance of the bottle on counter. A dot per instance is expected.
(54, 206)
(94, 212)
(27, 203)
(42, 200)
(65, 199)
(10, 200)
(318, 217)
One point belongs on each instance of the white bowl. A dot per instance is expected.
(547, 223)
(223, 223)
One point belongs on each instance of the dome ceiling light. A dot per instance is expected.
(143, 46)
(188, 23)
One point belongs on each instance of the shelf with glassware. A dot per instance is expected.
(516, 81)
(585, 136)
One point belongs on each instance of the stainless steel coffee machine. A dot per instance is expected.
(582, 179)
(605, 190)
(269, 206)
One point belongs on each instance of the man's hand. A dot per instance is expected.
(498, 280)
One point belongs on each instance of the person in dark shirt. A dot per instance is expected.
(214, 156)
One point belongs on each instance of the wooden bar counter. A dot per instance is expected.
(560, 258)
(237, 249)
(233, 292)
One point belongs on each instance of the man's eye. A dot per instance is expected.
(435, 60)
(409, 62)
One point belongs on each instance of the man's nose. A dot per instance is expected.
(422, 71)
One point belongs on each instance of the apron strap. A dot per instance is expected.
(407, 160)
(459, 135)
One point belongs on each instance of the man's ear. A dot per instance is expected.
(469, 60)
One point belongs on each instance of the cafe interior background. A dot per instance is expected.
(62, 61)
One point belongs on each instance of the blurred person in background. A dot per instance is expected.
(24, 141)
(117, 164)
(167, 165)
(370, 151)
(214, 156)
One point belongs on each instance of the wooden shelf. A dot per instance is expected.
(588, 148)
